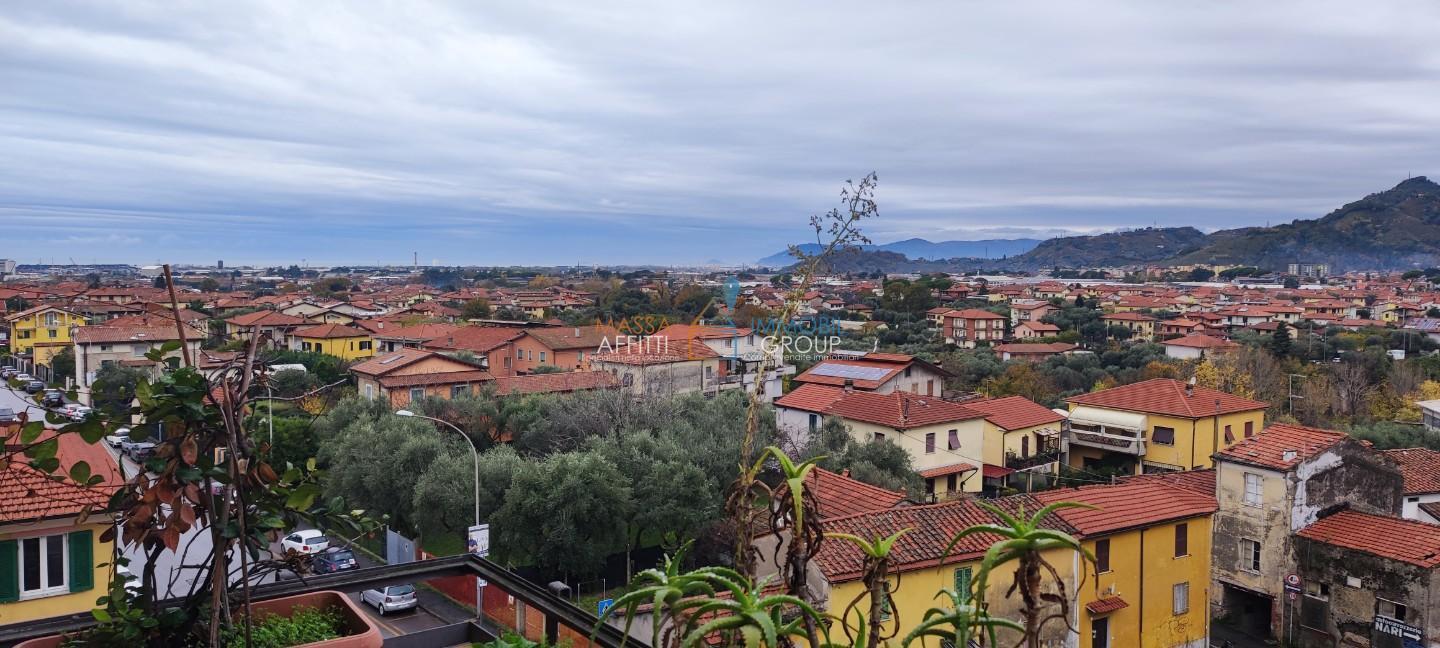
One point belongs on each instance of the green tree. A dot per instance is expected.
(62, 365)
(209, 284)
(1280, 340)
(444, 499)
(113, 390)
(292, 382)
(670, 496)
(565, 514)
(376, 463)
(1200, 274)
(478, 308)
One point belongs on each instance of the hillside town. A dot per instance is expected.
(1261, 451)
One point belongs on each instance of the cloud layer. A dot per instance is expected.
(671, 132)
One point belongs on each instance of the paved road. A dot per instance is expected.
(19, 401)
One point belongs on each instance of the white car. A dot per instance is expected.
(391, 599)
(79, 412)
(23, 377)
(118, 438)
(307, 541)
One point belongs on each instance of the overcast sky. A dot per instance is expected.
(675, 132)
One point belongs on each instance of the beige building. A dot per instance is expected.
(662, 367)
(98, 346)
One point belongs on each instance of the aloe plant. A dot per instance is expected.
(958, 623)
(877, 587)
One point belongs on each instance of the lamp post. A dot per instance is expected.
(473, 450)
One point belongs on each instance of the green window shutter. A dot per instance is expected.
(82, 564)
(962, 584)
(9, 571)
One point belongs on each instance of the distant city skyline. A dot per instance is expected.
(684, 134)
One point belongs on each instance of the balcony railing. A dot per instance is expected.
(1016, 462)
(1123, 443)
(557, 612)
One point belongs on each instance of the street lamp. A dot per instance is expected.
(473, 450)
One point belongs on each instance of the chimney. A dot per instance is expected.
(849, 385)
(904, 408)
(1190, 387)
(577, 331)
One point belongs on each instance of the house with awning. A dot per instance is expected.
(1156, 426)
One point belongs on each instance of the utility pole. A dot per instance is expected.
(1292, 397)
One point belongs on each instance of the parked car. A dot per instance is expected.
(118, 439)
(306, 541)
(140, 452)
(8, 372)
(333, 560)
(391, 599)
(7, 415)
(52, 398)
(80, 412)
(23, 377)
(34, 386)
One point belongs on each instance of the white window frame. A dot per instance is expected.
(46, 588)
(1254, 498)
(1180, 598)
(1250, 555)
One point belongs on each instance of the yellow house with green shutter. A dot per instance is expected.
(51, 563)
(37, 334)
(344, 342)
(1156, 426)
(1148, 589)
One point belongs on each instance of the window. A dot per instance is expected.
(1102, 556)
(542, 356)
(1249, 429)
(1024, 447)
(365, 345)
(962, 583)
(907, 372)
(45, 565)
(416, 393)
(1387, 608)
(1229, 435)
(814, 422)
(1181, 603)
(953, 443)
(951, 485)
(42, 566)
(507, 362)
(1163, 435)
(1252, 489)
(879, 436)
(457, 391)
(52, 319)
(929, 443)
(52, 333)
(1182, 540)
(1250, 555)
(369, 390)
(104, 347)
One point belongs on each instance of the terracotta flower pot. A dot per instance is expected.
(359, 631)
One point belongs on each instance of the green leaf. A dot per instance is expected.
(31, 432)
(44, 450)
(100, 615)
(80, 472)
(302, 497)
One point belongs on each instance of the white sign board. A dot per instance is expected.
(478, 541)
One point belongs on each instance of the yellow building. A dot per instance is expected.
(1140, 325)
(945, 440)
(39, 333)
(1153, 562)
(50, 563)
(1020, 434)
(1157, 425)
(344, 342)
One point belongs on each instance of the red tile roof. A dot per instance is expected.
(1416, 543)
(811, 398)
(810, 375)
(581, 337)
(1269, 448)
(329, 331)
(1106, 605)
(106, 334)
(1128, 505)
(946, 470)
(438, 378)
(839, 495)
(27, 494)
(1128, 317)
(417, 332)
(477, 339)
(1014, 412)
(900, 410)
(973, 313)
(1421, 468)
(1200, 481)
(1201, 341)
(653, 351)
(702, 332)
(555, 382)
(266, 318)
(389, 362)
(1023, 348)
(1168, 396)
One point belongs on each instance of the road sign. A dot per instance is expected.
(1292, 580)
(602, 605)
(1293, 594)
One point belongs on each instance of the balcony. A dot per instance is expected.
(1042, 459)
(1108, 439)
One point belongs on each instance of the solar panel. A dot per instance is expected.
(850, 371)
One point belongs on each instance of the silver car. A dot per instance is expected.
(391, 599)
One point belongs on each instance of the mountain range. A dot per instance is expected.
(918, 248)
(1394, 229)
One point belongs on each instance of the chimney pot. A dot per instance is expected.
(849, 385)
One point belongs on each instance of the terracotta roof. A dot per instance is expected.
(702, 332)
(1200, 481)
(555, 382)
(947, 470)
(1421, 468)
(561, 338)
(900, 410)
(1023, 348)
(389, 362)
(437, 378)
(479, 339)
(1128, 317)
(931, 528)
(652, 351)
(1271, 447)
(877, 356)
(106, 334)
(811, 397)
(35, 309)
(1014, 412)
(992, 471)
(811, 376)
(1106, 605)
(1201, 341)
(27, 494)
(1040, 327)
(839, 495)
(972, 313)
(266, 318)
(1167, 396)
(328, 331)
(1410, 541)
(1431, 508)
(1128, 505)
(418, 332)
